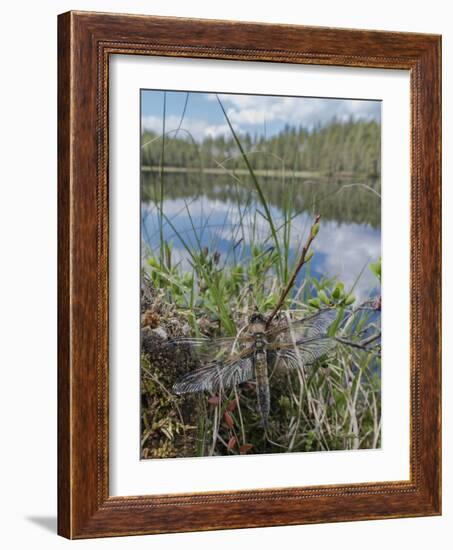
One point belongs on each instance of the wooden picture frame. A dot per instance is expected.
(85, 42)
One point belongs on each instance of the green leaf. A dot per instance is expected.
(334, 326)
(315, 230)
(376, 269)
(323, 296)
(338, 291)
(315, 302)
(309, 256)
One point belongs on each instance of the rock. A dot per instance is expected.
(160, 332)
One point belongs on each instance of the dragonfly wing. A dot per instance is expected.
(306, 352)
(207, 350)
(313, 326)
(216, 376)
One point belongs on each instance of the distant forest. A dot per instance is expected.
(335, 148)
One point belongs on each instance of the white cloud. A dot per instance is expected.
(197, 128)
(307, 112)
(247, 111)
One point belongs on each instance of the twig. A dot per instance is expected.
(215, 431)
(360, 345)
(292, 280)
(241, 421)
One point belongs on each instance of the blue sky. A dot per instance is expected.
(258, 115)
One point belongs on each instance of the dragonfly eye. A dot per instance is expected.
(257, 318)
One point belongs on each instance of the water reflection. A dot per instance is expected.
(228, 218)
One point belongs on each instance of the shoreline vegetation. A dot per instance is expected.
(333, 405)
(265, 173)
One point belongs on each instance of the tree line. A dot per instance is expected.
(338, 147)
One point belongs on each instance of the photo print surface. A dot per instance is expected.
(260, 274)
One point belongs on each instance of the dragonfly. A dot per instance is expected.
(228, 362)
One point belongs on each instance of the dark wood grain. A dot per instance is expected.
(85, 42)
(64, 368)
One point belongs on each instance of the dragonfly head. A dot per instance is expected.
(257, 324)
(257, 318)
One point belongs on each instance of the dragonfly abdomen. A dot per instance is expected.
(262, 385)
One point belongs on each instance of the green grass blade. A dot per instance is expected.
(255, 182)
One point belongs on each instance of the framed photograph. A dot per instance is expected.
(249, 275)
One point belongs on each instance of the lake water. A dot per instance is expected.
(209, 214)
